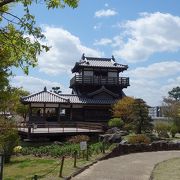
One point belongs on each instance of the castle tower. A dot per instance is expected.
(101, 75)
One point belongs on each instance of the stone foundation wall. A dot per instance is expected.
(123, 149)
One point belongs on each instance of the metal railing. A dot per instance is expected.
(95, 80)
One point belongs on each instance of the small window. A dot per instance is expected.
(101, 73)
(62, 112)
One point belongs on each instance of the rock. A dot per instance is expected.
(115, 138)
(58, 143)
(113, 130)
(123, 133)
(113, 135)
(117, 130)
(111, 138)
(124, 142)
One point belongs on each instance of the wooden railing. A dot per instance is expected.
(79, 79)
(60, 127)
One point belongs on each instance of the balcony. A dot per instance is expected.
(90, 80)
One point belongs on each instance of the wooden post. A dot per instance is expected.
(87, 155)
(1, 165)
(44, 112)
(117, 78)
(29, 131)
(83, 114)
(75, 158)
(83, 153)
(61, 167)
(83, 76)
(71, 112)
(103, 147)
(30, 112)
(59, 111)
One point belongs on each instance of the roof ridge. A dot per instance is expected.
(98, 58)
(33, 94)
(58, 95)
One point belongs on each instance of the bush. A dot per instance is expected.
(115, 122)
(139, 138)
(162, 129)
(8, 138)
(173, 130)
(78, 138)
(128, 127)
(65, 150)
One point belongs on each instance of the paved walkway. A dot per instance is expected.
(137, 166)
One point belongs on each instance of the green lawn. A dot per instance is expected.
(25, 167)
(167, 170)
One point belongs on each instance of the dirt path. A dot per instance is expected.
(137, 166)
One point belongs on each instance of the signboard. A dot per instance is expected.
(83, 145)
(1, 166)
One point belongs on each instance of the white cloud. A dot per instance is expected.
(34, 84)
(152, 83)
(151, 33)
(66, 49)
(114, 42)
(103, 42)
(156, 70)
(105, 13)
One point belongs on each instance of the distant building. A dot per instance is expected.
(156, 112)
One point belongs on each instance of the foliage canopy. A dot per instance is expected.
(171, 106)
(8, 138)
(20, 38)
(134, 113)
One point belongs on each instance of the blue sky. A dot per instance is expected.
(143, 34)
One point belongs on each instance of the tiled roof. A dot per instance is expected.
(49, 97)
(84, 100)
(44, 96)
(99, 62)
(103, 89)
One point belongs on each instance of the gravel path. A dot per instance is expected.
(137, 166)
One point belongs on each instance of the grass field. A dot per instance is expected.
(25, 167)
(167, 170)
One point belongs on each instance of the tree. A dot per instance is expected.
(175, 93)
(56, 90)
(122, 109)
(141, 120)
(22, 109)
(171, 106)
(8, 138)
(20, 38)
(134, 113)
(10, 101)
(115, 122)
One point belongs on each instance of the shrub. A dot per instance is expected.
(173, 130)
(162, 129)
(8, 138)
(65, 150)
(128, 127)
(51, 150)
(78, 138)
(115, 122)
(152, 137)
(17, 149)
(139, 138)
